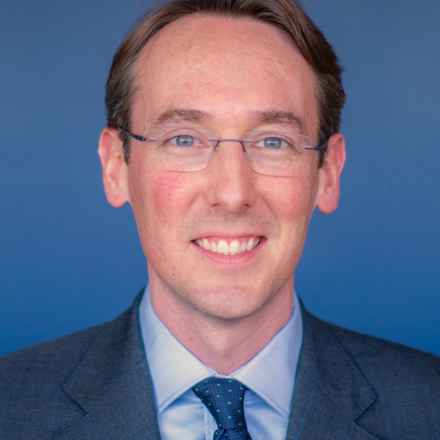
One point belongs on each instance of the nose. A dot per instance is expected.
(232, 181)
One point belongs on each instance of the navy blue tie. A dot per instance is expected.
(224, 399)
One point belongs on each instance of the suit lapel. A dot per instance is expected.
(331, 392)
(113, 387)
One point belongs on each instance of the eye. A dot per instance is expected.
(183, 141)
(273, 143)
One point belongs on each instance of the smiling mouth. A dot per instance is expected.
(229, 247)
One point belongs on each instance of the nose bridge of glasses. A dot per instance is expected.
(230, 159)
(217, 142)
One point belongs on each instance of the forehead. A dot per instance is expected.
(224, 66)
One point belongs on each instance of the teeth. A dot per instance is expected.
(222, 247)
(233, 248)
(252, 243)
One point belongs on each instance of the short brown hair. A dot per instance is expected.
(286, 15)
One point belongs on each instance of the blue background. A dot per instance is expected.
(68, 260)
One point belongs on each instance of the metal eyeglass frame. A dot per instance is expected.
(321, 147)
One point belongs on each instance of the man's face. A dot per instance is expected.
(232, 71)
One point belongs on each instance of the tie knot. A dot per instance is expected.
(224, 399)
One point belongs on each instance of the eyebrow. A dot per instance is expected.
(279, 117)
(262, 117)
(183, 114)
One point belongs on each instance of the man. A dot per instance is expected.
(223, 136)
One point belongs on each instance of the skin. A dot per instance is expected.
(223, 309)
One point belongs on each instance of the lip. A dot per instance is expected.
(228, 237)
(237, 259)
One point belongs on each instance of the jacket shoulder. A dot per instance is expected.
(53, 358)
(384, 360)
(31, 380)
(406, 381)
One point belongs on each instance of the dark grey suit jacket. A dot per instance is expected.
(96, 385)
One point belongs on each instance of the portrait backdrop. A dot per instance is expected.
(69, 260)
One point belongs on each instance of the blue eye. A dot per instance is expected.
(183, 140)
(272, 143)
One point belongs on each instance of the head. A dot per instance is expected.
(286, 15)
(231, 70)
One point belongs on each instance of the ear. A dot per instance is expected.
(114, 168)
(330, 174)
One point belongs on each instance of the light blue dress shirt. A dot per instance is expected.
(269, 377)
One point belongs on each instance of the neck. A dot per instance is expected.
(224, 344)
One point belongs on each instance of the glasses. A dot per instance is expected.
(269, 154)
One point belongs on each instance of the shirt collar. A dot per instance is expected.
(174, 369)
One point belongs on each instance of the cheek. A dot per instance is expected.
(168, 200)
(292, 207)
(165, 194)
(152, 196)
(159, 205)
(293, 199)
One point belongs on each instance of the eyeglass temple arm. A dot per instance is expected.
(138, 137)
(320, 147)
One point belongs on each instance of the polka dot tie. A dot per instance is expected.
(224, 399)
